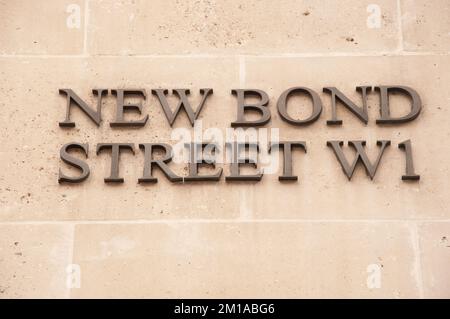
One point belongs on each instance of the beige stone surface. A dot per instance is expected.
(435, 256)
(426, 26)
(40, 27)
(242, 260)
(33, 260)
(239, 26)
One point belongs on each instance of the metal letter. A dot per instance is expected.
(121, 107)
(69, 159)
(416, 104)
(287, 158)
(260, 107)
(149, 162)
(194, 162)
(236, 161)
(409, 174)
(115, 156)
(360, 156)
(183, 103)
(72, 97)
(361, 113)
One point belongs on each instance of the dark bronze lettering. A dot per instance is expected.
(237, 160)
(360, 113)
(195, 159)
(410, 175)
(287, 158)
(416, 104)
(183, 103)
(361, 156)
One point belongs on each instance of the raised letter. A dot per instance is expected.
(93, 115)
(115, 155)
(282, 105)
(69, 159)
(121, 107)
(416, 104)
(260, 107)
(236, 160)
(194, 150)
(361, 113)
(149, 162)
(287, 158)
(183, 103)
(410, 174)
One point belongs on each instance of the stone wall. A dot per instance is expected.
(321, 236)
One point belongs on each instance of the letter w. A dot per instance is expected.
(361, 156)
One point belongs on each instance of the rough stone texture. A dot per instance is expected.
(311, 238)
